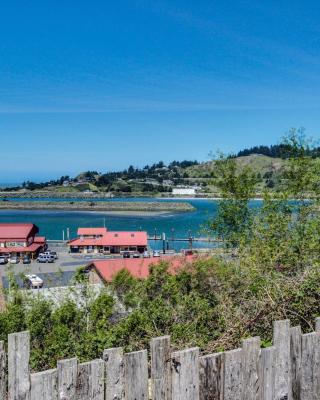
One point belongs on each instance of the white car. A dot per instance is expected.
(156, 253)
(146, 254)
(14, 260)
(34, 282)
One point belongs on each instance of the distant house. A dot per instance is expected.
(183, 191)
(20, 240)
(103, 271)
(100, 240)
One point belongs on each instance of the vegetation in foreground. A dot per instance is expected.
(269, 269)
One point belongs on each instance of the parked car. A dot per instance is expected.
(136, 255)
(146, 254)
(3, 260)
(126, 254)
(156, 253)
(54, 254)
(14, 260)
(26, 260)
(45, 259)
(34, 282)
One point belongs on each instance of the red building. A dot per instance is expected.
(20, 240)
(100, 240)
(103, 271)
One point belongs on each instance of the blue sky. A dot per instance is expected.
(101, 85)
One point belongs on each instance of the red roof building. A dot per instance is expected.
(103, 271)
(100, 240)
(20, 239)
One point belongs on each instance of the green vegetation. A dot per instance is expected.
(267, 269)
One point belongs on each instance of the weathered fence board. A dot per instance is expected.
(136, 375)
(185, 374)
(18, 366)
(233, 382)
(310, 366)
(250, 365)
(67, 379)
(44, 385)
(281, 341)
(211, 375)
(295, 357)
(3, 366)
(90, 382)
(317, 324)
(114, 362)
(267, 373)
(161, 368)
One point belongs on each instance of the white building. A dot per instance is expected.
(183, 191)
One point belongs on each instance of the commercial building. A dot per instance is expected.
(100, 240)
(20, 240)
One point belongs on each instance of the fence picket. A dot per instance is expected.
(310, 366)
(67, 378)
(295, 356)
(185, 374)
(3, 365)
(18, 366)
(211, 375)
(114, 363)
(281, 341)
(160, 368)
(136, 375)
(90, 382)
(267, 373)
(233, 365)
(250, 368)
(44, 385)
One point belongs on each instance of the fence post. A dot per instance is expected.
(211, 375)
(295, 355)
(267, 373)
(67, 378)
(310, 366)
(3, 366)
(136, 375)
(281, 341)
(233, 368)
(90, 383)
(44, 385)
(114, 363)
(250, 368)
(161, 368)
(18, 366)
(185, 374)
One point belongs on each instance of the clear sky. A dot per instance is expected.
(105, 84)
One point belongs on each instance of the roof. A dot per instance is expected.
(138, 267)
(91, 231)
(17, 231)
(114, 239)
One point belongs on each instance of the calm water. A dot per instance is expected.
(52, 223)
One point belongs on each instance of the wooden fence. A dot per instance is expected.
(290, 369)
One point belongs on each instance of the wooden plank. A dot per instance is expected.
(295, 355)
(3, 375)
(267, 373)
(90, 383)
(211, 376)
(114, 363)
(18, 366)
(310, 366)
(44, 385)
(281, 341)
(161, 368)
(250, 365)
(233, 388)
(317, 324)
(67, 378)
(185, 374)
(136, 375)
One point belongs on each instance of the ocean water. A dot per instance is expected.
(177, 225)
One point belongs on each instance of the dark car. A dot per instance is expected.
(126, 254)
(3, 260)
(26, 260)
